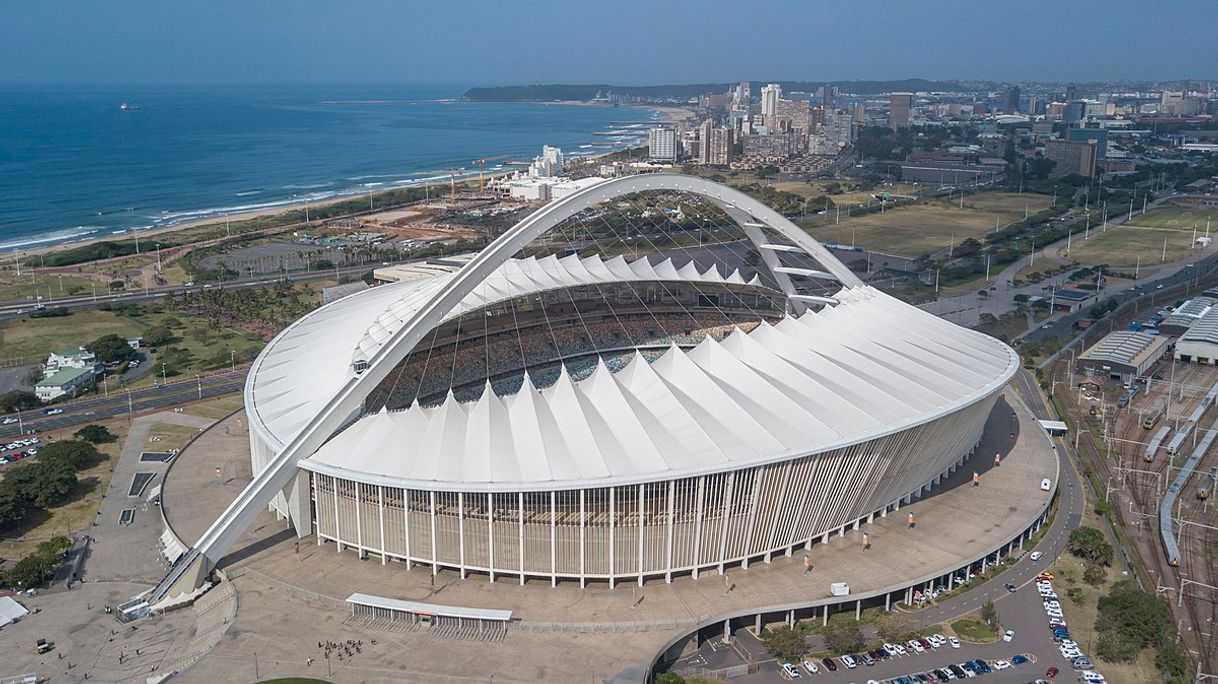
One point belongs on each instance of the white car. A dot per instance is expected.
(890, 649)
(938, 639)
(9, 421)
(790, 670)
(915, 646)
(849, 662)
(810, 666)
(1001, 664)
(1035, 556)
(954, 642)
(1009, 635)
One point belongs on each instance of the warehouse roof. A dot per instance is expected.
(1127, 348)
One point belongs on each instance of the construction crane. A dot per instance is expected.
(482, 170)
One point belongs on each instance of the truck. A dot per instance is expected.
(839, 589)
(44, 646)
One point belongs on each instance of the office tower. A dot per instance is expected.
(899, 105)
(1010, 100)
(662, 143)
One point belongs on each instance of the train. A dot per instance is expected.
(1167, 533)
(1151, 419)
(1155, 443)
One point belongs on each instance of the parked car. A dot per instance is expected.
(790, 670)
(1051, 672)
(829, 664)
(810, 666)
(1001, 664)
(849, 662)
(954, 642)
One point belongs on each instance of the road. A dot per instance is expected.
(120, 402)
(11, 309)
(966, 309)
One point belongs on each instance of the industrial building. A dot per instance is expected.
(611, 418)
(1124, 354)
(1199, 343)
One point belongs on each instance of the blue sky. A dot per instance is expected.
(473, 42)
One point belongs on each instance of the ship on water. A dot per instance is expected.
(127, 107)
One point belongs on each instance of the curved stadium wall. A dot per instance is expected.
(645, 529)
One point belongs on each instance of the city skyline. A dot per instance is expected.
(493, 44)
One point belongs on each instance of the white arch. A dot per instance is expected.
(751, 214)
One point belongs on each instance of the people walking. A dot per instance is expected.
(807, 563)
(912, 521)
(976, 479)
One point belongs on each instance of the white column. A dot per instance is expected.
(612, 567)
(434, 569)
(359, 521)
(380, 501)
(553, 539)
(461, 531)
(727, 512)
(642, 491)
(406, 522)
(520, 532)
(672, 486)
(583, 575)
(748, 539)
(338, 536)
(698, 523)
(490, 534)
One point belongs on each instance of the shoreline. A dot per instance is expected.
(670, 114)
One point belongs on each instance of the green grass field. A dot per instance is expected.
(31, 339)
(1130, 245)
(1179, 218)
(924, 228)
(50, 288)
(34, 338)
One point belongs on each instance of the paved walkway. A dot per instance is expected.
(1008, 498)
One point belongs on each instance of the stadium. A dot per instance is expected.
(655, 375)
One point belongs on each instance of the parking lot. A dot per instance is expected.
(1022, 611)
(19, 449)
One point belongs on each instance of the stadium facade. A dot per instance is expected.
(609, 418)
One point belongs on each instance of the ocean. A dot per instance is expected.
(75, 166)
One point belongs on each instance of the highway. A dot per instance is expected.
(75, 303)
(124, 401)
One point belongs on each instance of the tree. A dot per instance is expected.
(95, 434)
(1139, 617)
(76, 453)
(33, 376)
(111, 349)
(18, 400)
(894, 626)
(989, 614)
(669, 677)
(1095, 574)
(842, 634)
(784, 643)
(158, 335)
(1171, 660)
(1102, 508)
(1089, 543)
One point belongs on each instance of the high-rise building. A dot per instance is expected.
(1074, 111)
(791, 115)
(770, 95)
(1071, 93)
(826, 94)
(742, 94)
(662, 143)
(1099, 135)
(1072, 157)
(899, 105)
(1010, 100)
(721, 146)
(835, 132)
(860, 113)
(548, 165)
(705, 132)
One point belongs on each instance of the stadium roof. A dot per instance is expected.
(311, 359)
(866, 367)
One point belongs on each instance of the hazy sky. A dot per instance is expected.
(606, 41)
